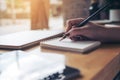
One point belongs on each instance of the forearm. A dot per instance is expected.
(112, 34)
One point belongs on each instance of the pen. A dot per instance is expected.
(87, 19)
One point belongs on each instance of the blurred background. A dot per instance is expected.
(15, 13)
(20, 15)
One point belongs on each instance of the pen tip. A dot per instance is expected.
(61, 39)
(64, 36)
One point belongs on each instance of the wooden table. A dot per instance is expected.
(100, 64)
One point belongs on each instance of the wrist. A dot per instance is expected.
(111, 34)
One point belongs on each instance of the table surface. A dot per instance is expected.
(100, 64)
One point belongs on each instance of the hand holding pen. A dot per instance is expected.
(87, 32)
(72, 31)
(85, 21)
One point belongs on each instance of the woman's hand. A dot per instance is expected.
(90, 31)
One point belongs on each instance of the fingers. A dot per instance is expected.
(76, 38)
(80, 38)
(77, 34)
(74, 33)
(72, 22)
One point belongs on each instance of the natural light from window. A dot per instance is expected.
(16, 13)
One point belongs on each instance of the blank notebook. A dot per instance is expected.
(21, 40)
(69, 45)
